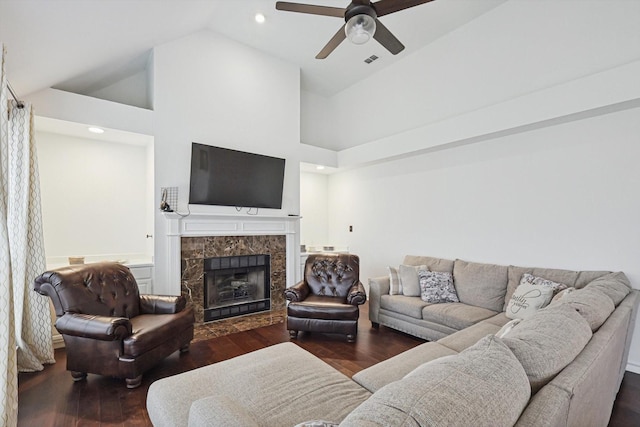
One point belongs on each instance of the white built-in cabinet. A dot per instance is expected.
(143, 273)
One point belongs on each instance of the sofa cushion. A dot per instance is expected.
(269, 382)
(482, 285)
(395, 368)
(437, 287)
(566, 277)
(467, 337)
(615, 285)
(409, 282)
(592, 304)
(431, 263)
(151, 330)
(527, 300)
(409, 306)
(562, 294)
(454, 391)
(547, 342)
(586, 277)
(220, 410)
(499, 319)
(323, 307)
(455, 315)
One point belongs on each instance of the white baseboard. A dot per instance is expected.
(633, 367)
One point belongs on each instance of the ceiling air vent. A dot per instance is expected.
(370, 59)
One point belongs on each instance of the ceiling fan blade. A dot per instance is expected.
(333, 43)
(385, 7)
(386, 39)
(338, 12)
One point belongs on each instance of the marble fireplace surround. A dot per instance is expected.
(198, 236)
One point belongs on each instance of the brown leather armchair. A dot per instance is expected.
(108, 327)
(327, 298)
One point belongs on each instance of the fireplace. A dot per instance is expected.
(194, 250)
(236, 285)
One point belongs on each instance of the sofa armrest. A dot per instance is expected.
(378, 286)
(162, 304)
(297, 292)
(357, 295)
(92, 326)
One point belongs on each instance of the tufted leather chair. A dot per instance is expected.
(327, 298)
(108, 327)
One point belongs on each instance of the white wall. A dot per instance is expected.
(561, 197)
(314, 209)
(518, 48)
(94, 197)
(132, 90)
(71, 107)
(316, 124)
(212, 90)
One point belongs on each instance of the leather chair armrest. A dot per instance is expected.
(357, 295)
(92, 326)
(297, 292)
(162, 304)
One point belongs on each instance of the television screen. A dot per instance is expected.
(220, 176)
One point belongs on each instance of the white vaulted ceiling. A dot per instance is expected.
(85, 45)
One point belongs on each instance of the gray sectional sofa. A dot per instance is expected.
(562, 366)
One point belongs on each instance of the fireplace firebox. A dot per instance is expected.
(236, 285)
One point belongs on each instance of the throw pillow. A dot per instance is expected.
(547, 342)
(409, 278)
(436, 287)
(395, 287)
(539, 281)
(408, 273)
(452, 391)
(527, 299)
(507, 328)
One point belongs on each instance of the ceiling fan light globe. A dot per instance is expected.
(360, 28)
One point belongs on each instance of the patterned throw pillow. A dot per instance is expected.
(527, 299)
(437, 287)
(539, 281)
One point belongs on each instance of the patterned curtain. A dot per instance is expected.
(25, 322)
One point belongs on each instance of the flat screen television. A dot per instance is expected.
(224, 177)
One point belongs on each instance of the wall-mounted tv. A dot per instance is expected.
(224, 177)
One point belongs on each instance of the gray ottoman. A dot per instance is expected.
(281, 385)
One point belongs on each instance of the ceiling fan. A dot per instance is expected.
(361, 21)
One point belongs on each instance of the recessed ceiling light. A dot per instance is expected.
(320, 167)
(260, 18)
(94, 129)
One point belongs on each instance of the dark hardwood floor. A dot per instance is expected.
(51, 398)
